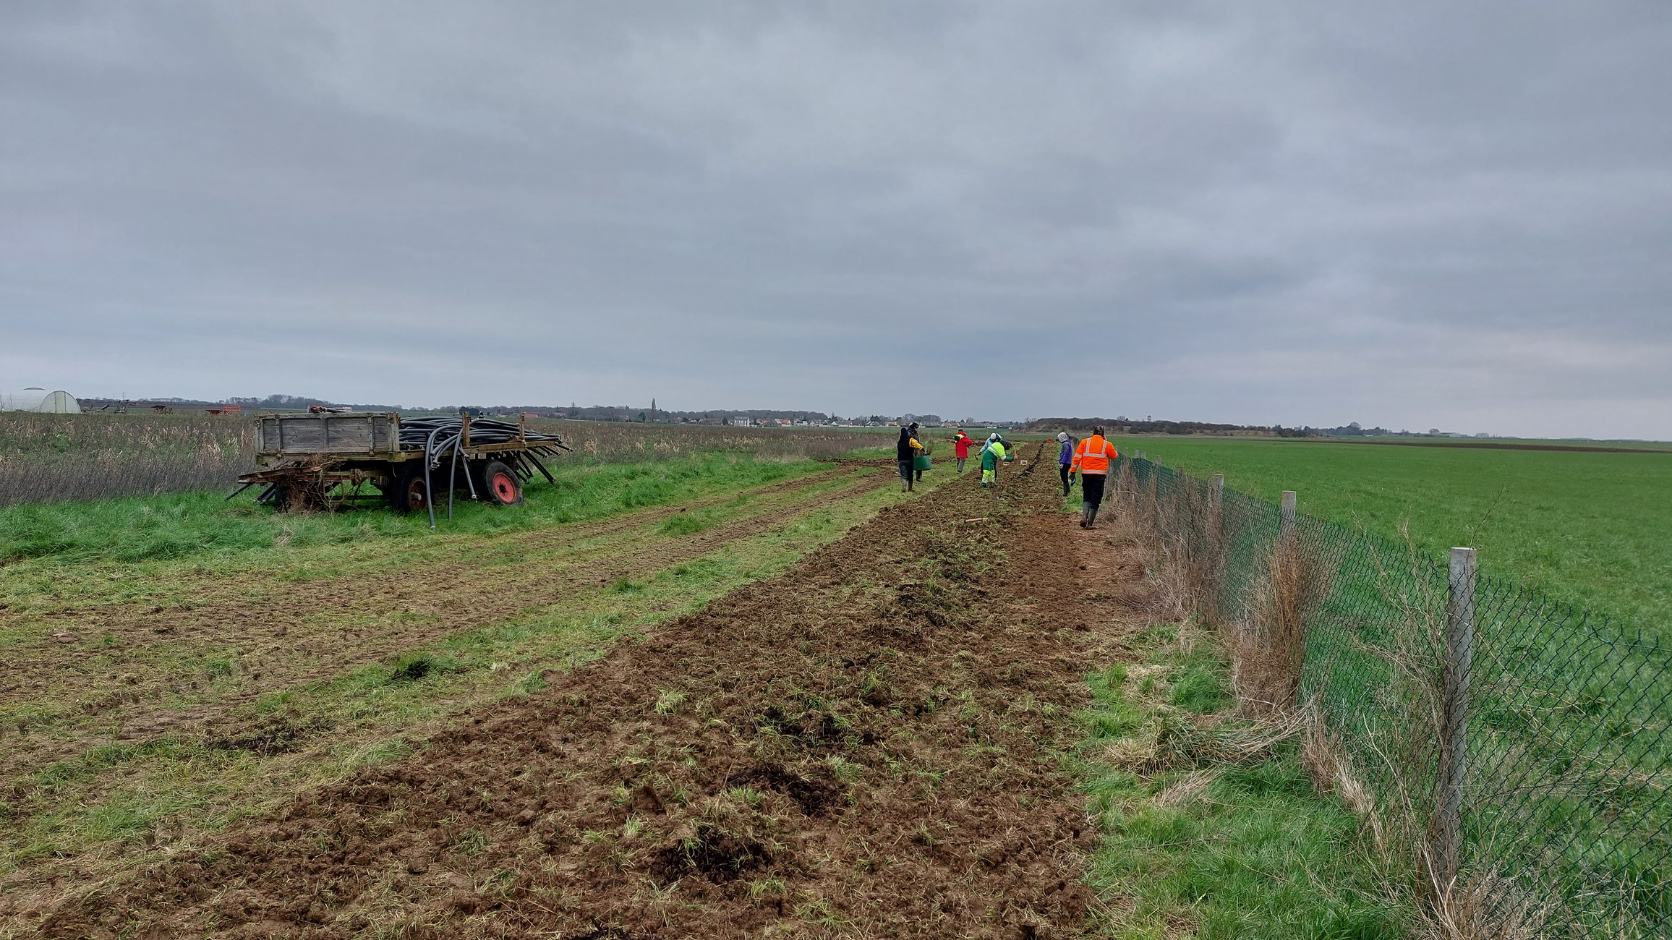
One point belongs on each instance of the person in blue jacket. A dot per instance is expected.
(1065, 461)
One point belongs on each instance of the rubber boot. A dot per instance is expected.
(1086, 514)
(1091, 522)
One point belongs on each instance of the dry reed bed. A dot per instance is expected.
(53, 458)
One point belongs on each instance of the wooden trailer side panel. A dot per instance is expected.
(329, 434)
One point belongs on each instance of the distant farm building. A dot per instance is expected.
(40, 400)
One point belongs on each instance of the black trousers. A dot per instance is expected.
(1091, 485)
(1062, 471)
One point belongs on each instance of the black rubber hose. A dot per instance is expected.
(542, 467)
(429, 453)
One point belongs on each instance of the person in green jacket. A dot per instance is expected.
(991, 456)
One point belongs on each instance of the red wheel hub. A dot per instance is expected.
(415, 493)
(504, 488)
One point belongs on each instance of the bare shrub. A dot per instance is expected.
(1268, 652)
(1490, 907)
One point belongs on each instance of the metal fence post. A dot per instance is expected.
(1288, 525)
(1454, 733)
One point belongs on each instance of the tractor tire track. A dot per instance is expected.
(342, 624)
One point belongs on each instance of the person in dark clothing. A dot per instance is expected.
(1065, 460)
(905, 452)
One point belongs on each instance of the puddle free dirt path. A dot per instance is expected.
(868, 745)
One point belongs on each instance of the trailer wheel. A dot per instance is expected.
(410, 493)
(502, 488)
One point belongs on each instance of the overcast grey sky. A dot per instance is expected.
(1412, 214)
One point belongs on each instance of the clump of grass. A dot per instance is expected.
(669, 701)
(768, 889)
(685, 523)
(471, 842)
(1200, 688)
(845, 771)
(416, 667)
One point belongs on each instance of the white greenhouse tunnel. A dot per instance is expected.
(40, 400)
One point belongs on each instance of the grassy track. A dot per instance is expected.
(1198, 846)
(1593, 529)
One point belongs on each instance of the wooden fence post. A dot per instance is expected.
(1454, 733)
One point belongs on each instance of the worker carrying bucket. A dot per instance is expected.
(906, 452)
(1092, 459)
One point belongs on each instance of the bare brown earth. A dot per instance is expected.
(869, 745)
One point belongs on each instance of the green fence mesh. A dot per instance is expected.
(1566, 821)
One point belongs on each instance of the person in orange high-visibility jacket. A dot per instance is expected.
(1093, 459)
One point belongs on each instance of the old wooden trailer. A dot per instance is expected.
(326, 460)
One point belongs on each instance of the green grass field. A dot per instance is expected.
(1566, 747)
(205, 523)
(1591, 529)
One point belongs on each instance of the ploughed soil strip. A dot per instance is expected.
(283, 635)
(869, 745)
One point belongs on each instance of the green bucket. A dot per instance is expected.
(922, 462)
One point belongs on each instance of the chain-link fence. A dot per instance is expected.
(1514, 750)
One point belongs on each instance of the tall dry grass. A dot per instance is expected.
(53, 458)
(622, 441)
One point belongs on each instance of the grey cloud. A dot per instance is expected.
(1414, 214)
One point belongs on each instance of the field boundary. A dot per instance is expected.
(1520, 769)
(1507, 445)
